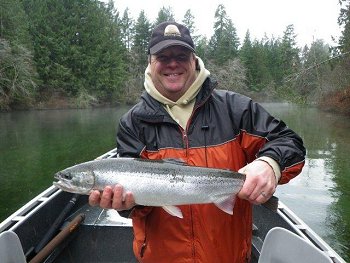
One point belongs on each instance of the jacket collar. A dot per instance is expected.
(153, 111)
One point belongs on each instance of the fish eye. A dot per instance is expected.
(68, 176)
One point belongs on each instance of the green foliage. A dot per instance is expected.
(14, 23)
(77, 46)
(84, 50)
(255, 58)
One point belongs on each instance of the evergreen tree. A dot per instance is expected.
(202, 49)
(344, 44)
(344, 21)
(289, 53)
(188, 21)
(143, 30)
(224, 42)
(138, 58)
(259, 71)
(273, 53)
(127, 29)
(246, 56)
(165, 14)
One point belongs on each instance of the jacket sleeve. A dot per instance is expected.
(277, 140)
(128, 137)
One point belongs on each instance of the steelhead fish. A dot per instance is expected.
(155, 182)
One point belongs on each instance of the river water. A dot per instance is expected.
(36, 144)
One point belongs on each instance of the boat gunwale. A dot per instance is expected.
(298, 225)
(28, 209)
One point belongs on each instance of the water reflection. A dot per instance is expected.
(36, 144)
(320, 195)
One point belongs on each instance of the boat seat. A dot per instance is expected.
(283, 246)
(10, 248)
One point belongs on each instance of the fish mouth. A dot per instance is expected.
(61, 184)
(68, 188)
(57, 177)
(61, 181)
(64, 182)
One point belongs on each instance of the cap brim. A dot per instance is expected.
(168, 43)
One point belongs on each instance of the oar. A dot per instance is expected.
(57, 224)
(67, 231)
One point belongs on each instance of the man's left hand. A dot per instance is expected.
(260, 183)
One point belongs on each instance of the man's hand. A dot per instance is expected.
(260, 183)
(112, 197)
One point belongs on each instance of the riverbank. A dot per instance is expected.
(57, 100)
(337, 102)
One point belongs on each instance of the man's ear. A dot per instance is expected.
(197, 64)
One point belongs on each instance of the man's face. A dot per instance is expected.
(173, 70)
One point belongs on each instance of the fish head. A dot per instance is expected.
(75, 181)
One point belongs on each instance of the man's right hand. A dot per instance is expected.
(112, 198)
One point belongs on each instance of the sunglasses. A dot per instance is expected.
(181, 58)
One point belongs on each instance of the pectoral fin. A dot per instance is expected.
(173, 210)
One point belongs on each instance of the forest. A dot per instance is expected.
(85, 53)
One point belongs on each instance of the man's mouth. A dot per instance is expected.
(172, 75)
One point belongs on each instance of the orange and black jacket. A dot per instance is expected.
(226, 130)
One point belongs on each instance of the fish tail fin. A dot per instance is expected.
(225, 203)
(173, 210)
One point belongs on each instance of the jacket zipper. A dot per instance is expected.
(185, 141)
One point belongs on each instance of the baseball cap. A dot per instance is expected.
(168, 34)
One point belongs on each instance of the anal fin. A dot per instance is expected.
(226, 203)
(173, 210)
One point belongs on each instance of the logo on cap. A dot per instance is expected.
(172, 30)
(169, 34)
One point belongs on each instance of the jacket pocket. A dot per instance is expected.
(139, 220)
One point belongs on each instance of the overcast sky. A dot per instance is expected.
(312, 19)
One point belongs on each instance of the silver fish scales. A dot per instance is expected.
(155, 182)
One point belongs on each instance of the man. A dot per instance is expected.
(182, 115)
